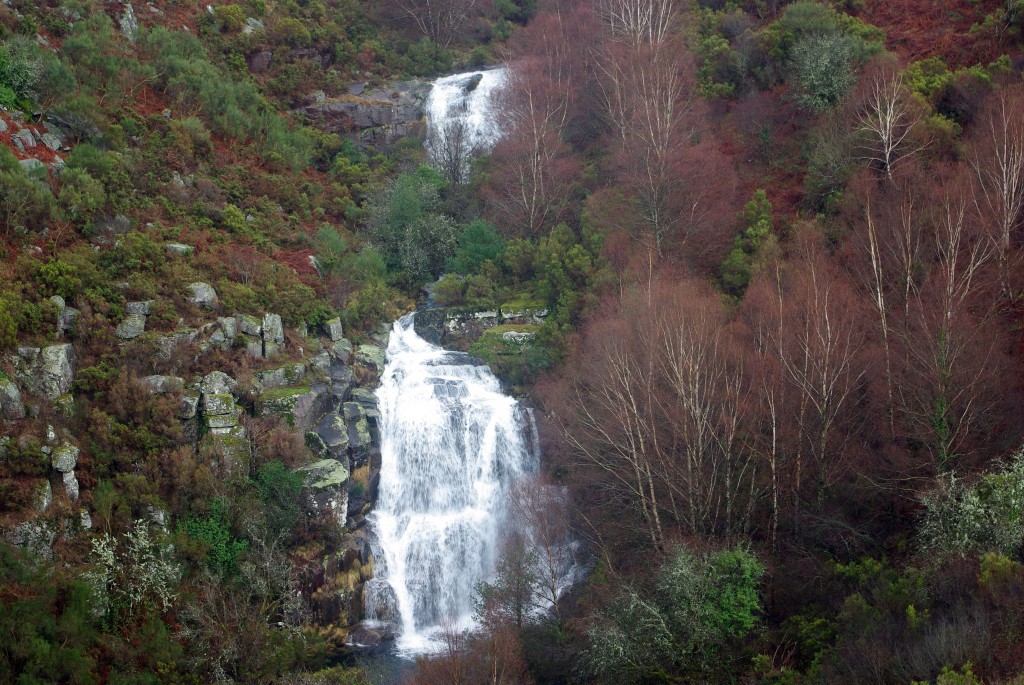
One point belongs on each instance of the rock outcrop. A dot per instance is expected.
(379, 116)
(45, 373)
(370, 359)
(273, 334)
(333, 330)
(458, 327)
(326, 395)
(202, 295)
(327, 486)
(11, 406)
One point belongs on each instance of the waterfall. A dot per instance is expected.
(461, 121)
(452, 447)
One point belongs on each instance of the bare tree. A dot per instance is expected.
(612, 424)
(438, 20)
(878, 300)
(450, 149)
(816, 333)
(998, 163)
(648, 93)
(639, 22)
(947, 357)
(646, 81)
(887, 261)
(658, 411)
(708, 467)
(888, 119)
(534, 170)
(540, 511)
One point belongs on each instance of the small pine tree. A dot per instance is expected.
(757, 223)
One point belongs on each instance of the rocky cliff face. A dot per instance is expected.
(378, 116)
(314, 381)
(459, 327)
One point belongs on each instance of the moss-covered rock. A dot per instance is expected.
(11, 406)
(333, 329)
(289, 374)
(64, 458)
(334, 433)
(506, 339)
(326, 483)
(300, 406)
(316, 445)
(229, 442)
(371, 358)
(218, 404)
(47, 372)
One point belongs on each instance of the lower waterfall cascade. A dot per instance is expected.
(452, 447)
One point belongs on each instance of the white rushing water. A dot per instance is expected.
(452, 448)
(461, 119)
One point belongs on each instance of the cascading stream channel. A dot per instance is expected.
(452, 448)
(460, 119)
(452, 445)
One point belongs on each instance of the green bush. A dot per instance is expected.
(233, 219)
(292, 32)
(24, 203)
(257, 8)
(405, 225)
(373, 303)
(985, 517)
(56, 81)
(426, 58)
(700, 606)
(8, 162)
(479, 57)
(232, 107)
(280, 490)
(331, 249)
(450, 290)
(221, 547)
(756, 227)
(8, 324)
(81, 196)
(229, 18)
(57, 277)
(822, 70)
(807, 18)
(518, 11)
(107, 168)
(478, 242)
(47, 622)
(20, 66)
(8, 98)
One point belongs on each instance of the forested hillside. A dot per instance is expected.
(783, 355)
(770, 255)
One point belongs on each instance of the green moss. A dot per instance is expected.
(277, 394)
(523, 301)
(512, 328)
(326, 473)
(281, 401)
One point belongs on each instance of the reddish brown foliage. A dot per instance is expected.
(918, 29)
(535, 173)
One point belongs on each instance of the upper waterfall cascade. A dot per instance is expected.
(452, 448)
(461, 121)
